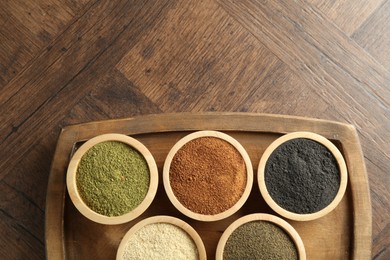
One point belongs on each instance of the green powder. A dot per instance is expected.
(112, 178)
(259, 240)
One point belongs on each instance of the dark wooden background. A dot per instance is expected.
(71, 61)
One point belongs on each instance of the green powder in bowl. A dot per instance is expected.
(112, 178)
(260, 236)
(260, 240)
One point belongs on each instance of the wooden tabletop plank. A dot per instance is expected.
(71, 62)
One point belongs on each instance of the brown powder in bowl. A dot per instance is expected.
(208, 175)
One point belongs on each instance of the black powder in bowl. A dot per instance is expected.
(302, 176)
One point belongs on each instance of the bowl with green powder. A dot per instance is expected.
(208, 175)
(161, 237)
(302, 176)
(260, 236)
(112, 179)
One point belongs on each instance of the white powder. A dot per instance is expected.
(160, 241)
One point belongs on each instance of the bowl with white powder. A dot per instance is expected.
(161, 237)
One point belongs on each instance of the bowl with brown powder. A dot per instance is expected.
(112, 179)
(208, 175)
(260, 236)
(302, 176)
(161, 237)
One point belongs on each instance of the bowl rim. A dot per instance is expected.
(290, 230)
(249, 174)
(72, 185)
(321, 140)
(164, 219)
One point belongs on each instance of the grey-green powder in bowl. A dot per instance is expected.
(259, 240)
(112, 178)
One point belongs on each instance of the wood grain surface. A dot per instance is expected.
(69, 62)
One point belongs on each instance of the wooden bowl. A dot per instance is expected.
(78, 201)
(174, 199)
(340, 163)
(290, 231)
(163, 219)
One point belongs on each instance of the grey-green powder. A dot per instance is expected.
(259, 240)
(112, 178)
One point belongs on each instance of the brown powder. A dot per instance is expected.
(208, 175)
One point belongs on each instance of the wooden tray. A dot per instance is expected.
(345, 233)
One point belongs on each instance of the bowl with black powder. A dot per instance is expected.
(208, 175)
(302, 176)
(112, 179)
(161, 237)
(260, 236)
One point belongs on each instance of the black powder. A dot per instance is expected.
(302, 176)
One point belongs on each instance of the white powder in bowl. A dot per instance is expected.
(160, 241)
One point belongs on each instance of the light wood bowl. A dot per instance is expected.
(163, 219)
(78, 201)
(261, 217)
(181, 207)
(342, 168)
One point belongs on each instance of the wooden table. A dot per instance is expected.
(69, 62)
